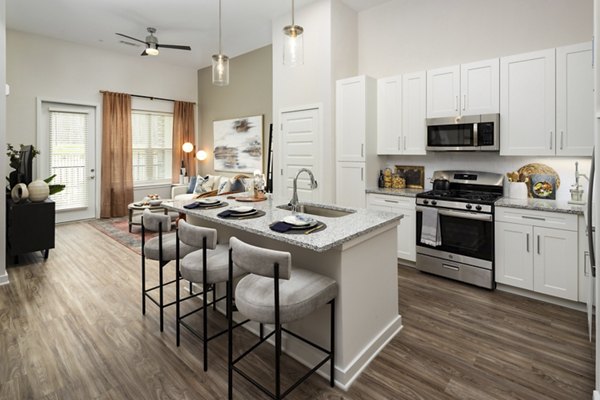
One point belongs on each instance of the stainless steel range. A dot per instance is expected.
(455, 226)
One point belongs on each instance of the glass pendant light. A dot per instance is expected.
(293, 43)
(220, 62)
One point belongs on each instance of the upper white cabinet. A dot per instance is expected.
(401, 112)
(443, 87)
(355, 107)
(574, 100)
(468, 89)
(527, 104)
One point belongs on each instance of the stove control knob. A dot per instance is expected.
(469, 206)
(478, 208)
(433, 202)
(425, 201)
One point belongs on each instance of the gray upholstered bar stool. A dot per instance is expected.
(274, 294)
(207, 266)
(161, 248)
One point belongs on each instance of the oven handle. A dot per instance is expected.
(463, 214)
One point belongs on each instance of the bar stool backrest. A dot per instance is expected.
(260, 261)
(192, 235)
(152, 220)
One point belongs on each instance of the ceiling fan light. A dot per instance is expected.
(220, 70)
(151, 50)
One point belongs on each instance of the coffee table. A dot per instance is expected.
(136, 207)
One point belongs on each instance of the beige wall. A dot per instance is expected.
(249, 93)
(411, 35)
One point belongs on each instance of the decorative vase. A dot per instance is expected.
(19, 192)
(38, 190)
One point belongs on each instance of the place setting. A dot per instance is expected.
(241, 212)
(298, 224)
(206, 204)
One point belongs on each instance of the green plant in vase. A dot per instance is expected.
(16, 159)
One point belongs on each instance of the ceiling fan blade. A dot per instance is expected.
(174, 46)
(132, 38)
(144, 53)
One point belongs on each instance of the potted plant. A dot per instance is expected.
(20, 160)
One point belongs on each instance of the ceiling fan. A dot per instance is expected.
(152, 44)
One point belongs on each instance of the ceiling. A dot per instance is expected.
(246, 23)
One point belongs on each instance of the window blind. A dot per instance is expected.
(67, 156)
(152, 137)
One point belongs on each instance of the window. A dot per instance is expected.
(152, 138)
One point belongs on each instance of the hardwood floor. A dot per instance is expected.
(71, 328)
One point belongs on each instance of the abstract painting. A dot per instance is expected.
(238, 144)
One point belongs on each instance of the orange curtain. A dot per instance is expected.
(183, 131)
(117, 169)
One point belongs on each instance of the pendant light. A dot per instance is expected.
(220, 62)
(293, 43)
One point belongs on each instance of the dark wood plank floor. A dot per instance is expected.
(71, 328)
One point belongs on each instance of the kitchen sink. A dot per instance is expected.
(319, 210)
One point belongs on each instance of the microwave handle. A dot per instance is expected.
(475, 135)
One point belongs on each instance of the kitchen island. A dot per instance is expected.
(357, 249)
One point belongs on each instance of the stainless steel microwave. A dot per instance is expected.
(466, 133)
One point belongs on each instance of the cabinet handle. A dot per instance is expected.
(562, 134)
(538, 244)
(456, 103)
(362, 173)
(536, 218)
(464, 102)
(399, 146)
(391, 201)
(362, 150)
(404, 142)
(527, 239)
(586, 254)
(550, 140)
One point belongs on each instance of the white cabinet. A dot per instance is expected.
(527, 104)
(467, 89)
(537, 251)
(574, 100)
(401, 112)
(356, 139)
(355, 109)
(350, 184)
(407, 228)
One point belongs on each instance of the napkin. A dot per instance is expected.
(191, 205)
(281, 227)
(225, 214)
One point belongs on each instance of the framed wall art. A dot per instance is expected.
(238, 144)
(414, 175)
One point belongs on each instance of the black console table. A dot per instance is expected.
(29, 227)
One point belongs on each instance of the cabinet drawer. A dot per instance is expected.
(391, 201)
(537, 218)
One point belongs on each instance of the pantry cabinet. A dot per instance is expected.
(467, 89)
(407, 228)
(527, 104)
(401, 111)
(537, 251)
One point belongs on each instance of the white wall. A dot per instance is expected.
(51, 69)
(3, 275)
(411, 35)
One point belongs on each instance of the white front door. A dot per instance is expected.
(300, 149)
(66, 141)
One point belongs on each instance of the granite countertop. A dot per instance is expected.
(561, 206)
(396, 192)
(339, 230)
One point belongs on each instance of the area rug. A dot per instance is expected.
(118, 230)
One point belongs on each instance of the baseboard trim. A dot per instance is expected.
(4, 279)
(542, 297)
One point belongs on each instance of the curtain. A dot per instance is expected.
(183, 131)
(117, 164)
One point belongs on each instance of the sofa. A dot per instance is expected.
(212, 185)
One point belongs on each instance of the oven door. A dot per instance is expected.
(463, 233)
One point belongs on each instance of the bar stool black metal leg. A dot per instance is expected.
(177, 288)
(191, 288)
(205, 325)
(277, 336)
(261, 328)
(161, 300)
(143, 285)
(230, 331)
(214, 296)
(332, 360)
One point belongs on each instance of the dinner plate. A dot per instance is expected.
(235, 214)
(208, 201)
(241, 209)
(298, 220)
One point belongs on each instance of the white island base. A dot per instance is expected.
(367, 318)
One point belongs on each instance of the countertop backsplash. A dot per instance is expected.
(493, 162)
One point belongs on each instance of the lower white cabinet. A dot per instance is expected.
(350, 184)
(407, 228)
(538, 251)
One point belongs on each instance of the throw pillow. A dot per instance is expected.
(199, 188)
(209, 180)
(237, 186)
(192, 185)
(224, 186)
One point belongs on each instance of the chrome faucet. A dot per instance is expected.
(313, 185)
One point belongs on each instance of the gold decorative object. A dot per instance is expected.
(398, 182)
(414, 175)
(387, 178)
